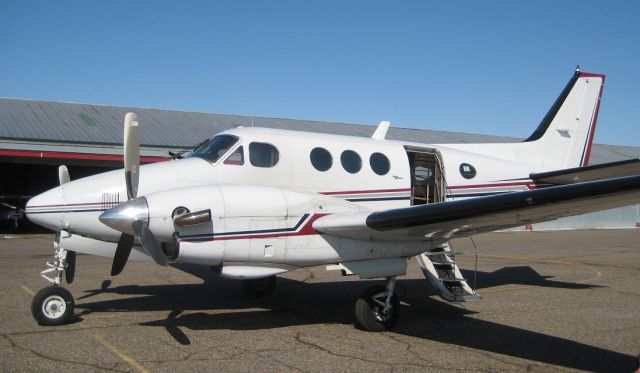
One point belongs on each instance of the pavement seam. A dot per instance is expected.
(57, 360)
(128, 359)
(27, 290)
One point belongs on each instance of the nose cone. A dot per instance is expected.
(126, 217)
(47, 209)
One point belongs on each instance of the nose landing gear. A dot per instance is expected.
(54, 304)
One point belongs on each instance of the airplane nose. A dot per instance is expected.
(47, 209)
(126, 217)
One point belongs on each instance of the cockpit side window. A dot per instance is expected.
(263, 155)
(236, 158)
(216, 148)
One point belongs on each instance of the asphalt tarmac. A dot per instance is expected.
(553, 301)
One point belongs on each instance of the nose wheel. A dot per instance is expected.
(52, 305)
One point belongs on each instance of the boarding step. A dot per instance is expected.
(439, 267)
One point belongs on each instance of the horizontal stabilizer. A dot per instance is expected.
(603, 171)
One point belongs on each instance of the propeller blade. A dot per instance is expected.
(131, 154)
(63, 174)
(70, 271)
(125, 243)
(151, 245)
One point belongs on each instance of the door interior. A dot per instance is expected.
(427, 177)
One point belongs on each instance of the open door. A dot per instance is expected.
(438, 264)
(427, 176)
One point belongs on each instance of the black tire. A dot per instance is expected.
(369, 315)
(70, 271)
(259, 287)
(52, 305)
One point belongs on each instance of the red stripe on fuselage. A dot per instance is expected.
(306, 230)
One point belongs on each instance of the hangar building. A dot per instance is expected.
(38, 136)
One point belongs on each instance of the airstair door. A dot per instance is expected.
(438, 265)
(427, 176)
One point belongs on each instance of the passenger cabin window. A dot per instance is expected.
(236, 158)
(321, 159)
(263, 155)
(216, 148)
(379, 163)
(351, 161)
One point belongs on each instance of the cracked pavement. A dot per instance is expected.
(553, 301)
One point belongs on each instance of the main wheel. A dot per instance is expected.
(259, 287)
(52, 305)
(370, 314)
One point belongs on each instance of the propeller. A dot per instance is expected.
(63, 174)
(132, 219)
(70, 270)
(131, 176)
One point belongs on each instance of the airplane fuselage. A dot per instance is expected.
(75, 206)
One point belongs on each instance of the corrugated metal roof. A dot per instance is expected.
(47, 121)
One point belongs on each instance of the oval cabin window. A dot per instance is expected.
(379, 163)
(321, 159)
(351, 161)
(467, 171)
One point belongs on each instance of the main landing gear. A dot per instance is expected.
(378, 308)
(54, 304)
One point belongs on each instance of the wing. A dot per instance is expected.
(589, 173)
(447, 220)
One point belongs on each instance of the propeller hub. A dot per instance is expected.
(127, 217)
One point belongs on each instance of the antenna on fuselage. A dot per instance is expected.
(381, 131)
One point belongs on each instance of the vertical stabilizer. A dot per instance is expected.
(564, 136)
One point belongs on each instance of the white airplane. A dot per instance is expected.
(252, 203)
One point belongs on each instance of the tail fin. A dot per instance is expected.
(564, 136)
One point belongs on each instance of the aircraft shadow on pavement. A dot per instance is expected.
(519, 275)
(300, 303)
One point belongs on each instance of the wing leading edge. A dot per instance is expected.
(447, 220)
(627, 167)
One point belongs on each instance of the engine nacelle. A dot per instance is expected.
(212, 224)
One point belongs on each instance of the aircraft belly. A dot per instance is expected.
(310, 250)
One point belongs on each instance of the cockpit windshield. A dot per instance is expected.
(216, 148)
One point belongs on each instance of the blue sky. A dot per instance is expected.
(467, 66)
